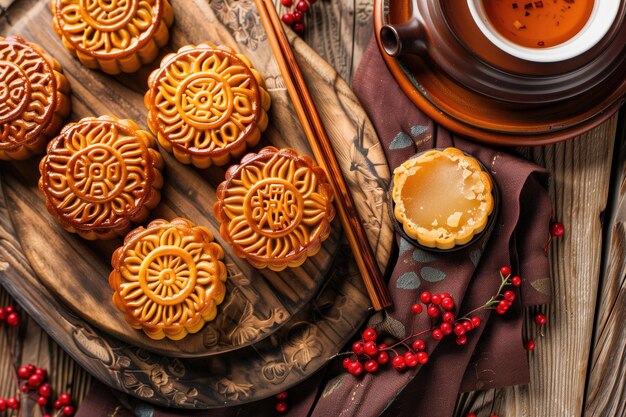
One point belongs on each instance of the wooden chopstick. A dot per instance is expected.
(324, 154)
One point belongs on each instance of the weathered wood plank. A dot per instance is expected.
(606, 395)
(579, 190)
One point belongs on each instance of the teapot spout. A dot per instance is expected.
(404, 38)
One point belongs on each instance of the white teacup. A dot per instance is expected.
(601, 19)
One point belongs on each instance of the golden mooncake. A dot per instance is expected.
(34, 98)
(113, 35)
(275, 208)
(168, 278)
(443, 198)
(206, 104)
(100, 175)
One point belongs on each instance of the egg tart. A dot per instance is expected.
(34, 98)
(275, 208)
(442, 198)
(100, 175)
(206, 104)
(168, 278)
(113, 35)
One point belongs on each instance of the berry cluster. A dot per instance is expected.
(295, 17)
(281, 402)
(9, 316)
(540, 320)
(35, 386)
(367, 355)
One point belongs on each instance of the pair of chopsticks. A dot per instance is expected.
(324, 154)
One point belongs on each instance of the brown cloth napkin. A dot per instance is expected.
(494, 355)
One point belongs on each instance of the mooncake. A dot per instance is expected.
(168, 278)
(206, 104)
(113, 35)
(275, 208)
(442, 198)
(100, 175)
(34, 98)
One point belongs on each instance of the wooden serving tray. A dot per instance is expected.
(258, 301)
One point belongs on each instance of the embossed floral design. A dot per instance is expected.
(100, 27)
(168, 278)
(303, 345)
(275, 208)
(242, 20)
(101, 173)
(233, 391)
(275, 372)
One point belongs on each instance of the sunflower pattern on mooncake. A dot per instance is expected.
(206, 104)
(100, 175)
(113, 35)
(34, 98)
(275, 208)
(168, 278)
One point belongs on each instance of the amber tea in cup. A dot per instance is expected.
(544, 30)
(538, 24)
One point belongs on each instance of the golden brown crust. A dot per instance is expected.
(207, 104)
(458, 226)
(275, 208)
(100, 175)
(168, 278)
(34, 98)
(113, 35)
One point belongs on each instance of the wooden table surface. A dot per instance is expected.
(579, 365)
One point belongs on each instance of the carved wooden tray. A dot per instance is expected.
(258, 302)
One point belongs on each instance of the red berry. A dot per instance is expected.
(461, 340)
(9, 309)
(422, 357)
(46, 415)
(459, 330)
(447, 303)
(13, 403)
(509, 295)
(425, 297)
(418, 345)
(446, 328)
(24, 388)
(371, 366)
(298, 27)
(281, 407)
(416, 308)
(57, 404)
(41, 372)
(23, 372)
(382, 358)
(14, 319)
(369, 335)
(42, 401)
(433, 312)
(467, 325)
(287, 3)
(557, 229)
(34, 381)
(471, 415)
(370, 348)
(3, 405)
(436, 299)
(475, 321)
(303, 6)
(355, 368)
(3, 314)
(516, 281)
(357, 348)
(448, 317)
(530, 345)
(505, 271)
(398, 362)
(437, 334)
(65, 398)
(31, 368)
(287, 18)
(45, 390)
(297, 16)
(346, 362)
(540, 319)
(411, 360)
